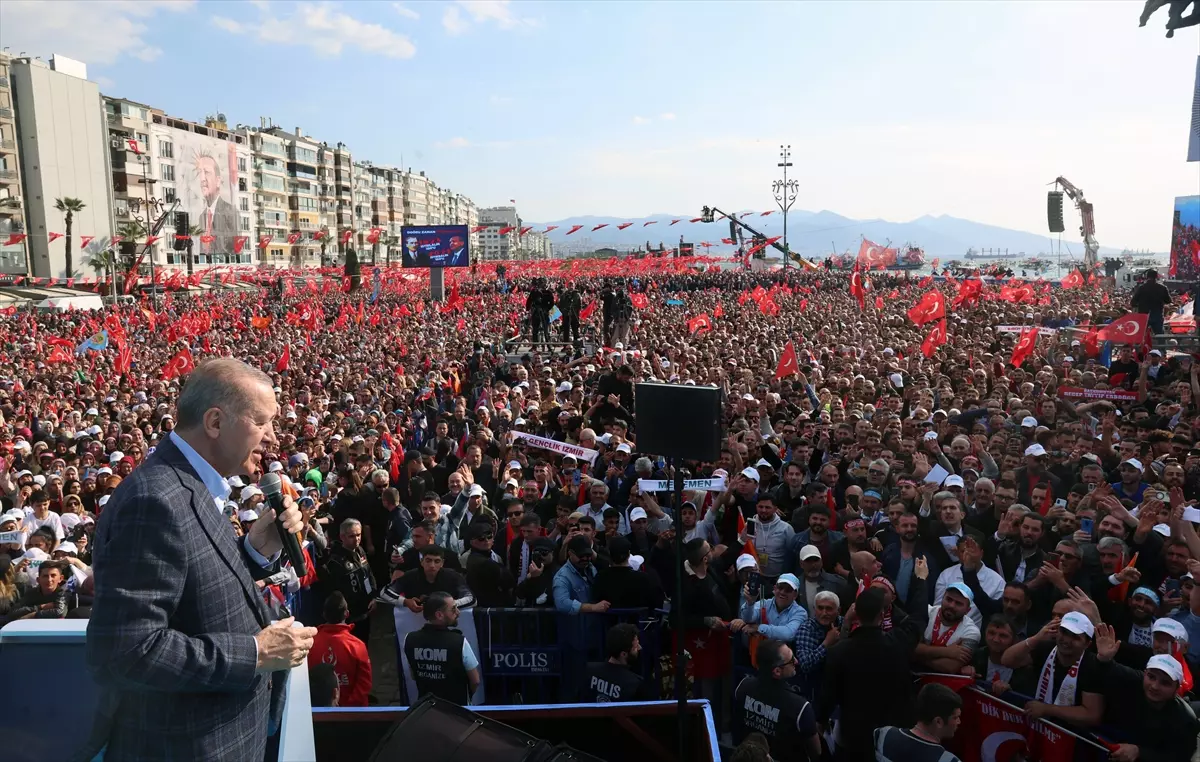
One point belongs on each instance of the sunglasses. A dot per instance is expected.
(516, 513)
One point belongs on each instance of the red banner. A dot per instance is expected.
(993, 730)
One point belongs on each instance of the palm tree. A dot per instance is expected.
(324, 242)
(69, 206)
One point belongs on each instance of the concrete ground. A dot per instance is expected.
(385, 676)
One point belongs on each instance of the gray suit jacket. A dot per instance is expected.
(225, 227)
(829, 583)
(171, 638)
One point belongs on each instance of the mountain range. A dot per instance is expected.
(812, 234)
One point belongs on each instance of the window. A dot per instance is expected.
(169, 195)
(166, 150)
(143, 138)
(168, 173)
(245, 224)
(245, 204)
(241, 164)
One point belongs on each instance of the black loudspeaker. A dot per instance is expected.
(732, 230)
(182, 225)
(446, 732)
(1054, 211)
(679, 421)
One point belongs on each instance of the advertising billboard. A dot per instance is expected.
(1185, 239)
(206, 183)
(435, 246)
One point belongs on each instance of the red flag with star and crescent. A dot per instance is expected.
(787, 362)
(857, 290)
(179, 365)
(1130, 328)
(1025, 346)
(932, 306)
(935, 339)
(699, 323)
(1073, 280)
(285, 359)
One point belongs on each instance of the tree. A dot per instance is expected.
(69, 206)
(104, 263)
(324, 242)
(129, 232)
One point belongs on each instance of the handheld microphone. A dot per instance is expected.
(272, 489)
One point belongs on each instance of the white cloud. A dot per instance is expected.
(666, 116)
(453, 21)
(458, 142)
(640, 120)
(497, 12)
(405, 11)
(87, 30)
(324, 29)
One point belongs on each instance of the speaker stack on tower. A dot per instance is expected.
(182, 225)
(679, 421)
(1054, 211)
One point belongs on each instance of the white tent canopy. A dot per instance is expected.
(64, 303)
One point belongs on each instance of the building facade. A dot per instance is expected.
(14, 258)
(63, 147)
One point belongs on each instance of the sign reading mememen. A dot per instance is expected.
(689, 485)
(553, 445)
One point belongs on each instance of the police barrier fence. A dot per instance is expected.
(536, 655)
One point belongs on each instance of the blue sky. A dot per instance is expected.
(893, 109)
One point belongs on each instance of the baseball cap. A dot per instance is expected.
(638, 513)
(962, 590)
(1036, 450)
(1149, 594)
(66, 547)
(580, 546)
(789, 580)
(624, 448)
(275, 467)
(635, 562)
(1171, 627)
(235, 482)
(747, 561)
(514, 465)
(1132, 462)
(1078, 624)
(809, 551)
(1029, 422)
(764, 463)
(930, 435)
(1167, 665)
(750, 473)
(248, 515)
(475, 491)
(954, 480)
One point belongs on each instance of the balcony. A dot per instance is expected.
(4, 83)
(8, 174)
(6, 112)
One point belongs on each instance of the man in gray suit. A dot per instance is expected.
(189, 664)
(217, 218)
(816, 580)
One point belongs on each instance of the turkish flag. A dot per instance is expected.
(293, 237)
(588, 311)
(373, 236)
(179, 365)
(285, 359)
(879, 302)
(54, 237)
(574, 229)
(264, 241)
(208, 239)
(1130, 328)
(1025, 346)
(768, 307)
(1073, 280)
(84, 240)
(931, 307)
(857, 290)
(640, 301)
(239, 243)
(624, 225)
(601, 225)
(699, 323)
(719, 311)
(347, 235)
(935, 339)
(787, 362)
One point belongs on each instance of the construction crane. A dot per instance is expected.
(1091, 249)
(711, 214)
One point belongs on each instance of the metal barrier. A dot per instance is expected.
(536, 655)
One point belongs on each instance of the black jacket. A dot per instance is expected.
(625, 588)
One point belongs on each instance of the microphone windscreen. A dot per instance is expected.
(270, 484)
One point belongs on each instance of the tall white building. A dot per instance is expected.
(64, 154)
(494, 245)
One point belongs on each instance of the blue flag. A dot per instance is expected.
(376, 284)
(98, 342)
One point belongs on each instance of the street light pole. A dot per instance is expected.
(785, 195)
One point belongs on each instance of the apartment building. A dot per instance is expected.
(14, 259)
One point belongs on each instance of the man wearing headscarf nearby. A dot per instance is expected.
(1145, 705)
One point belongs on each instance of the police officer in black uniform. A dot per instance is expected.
(439, 657)
(569, 304)
(539, 303)
(768, 704)
(607, 682)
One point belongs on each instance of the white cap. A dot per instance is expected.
(809, 551)
(1167, 665)
(635, 562)
(747, 561)
(1035, 449)
(1133, 462)
(930, 435)
(106, 471)
(1029, 422)
(235, 482)
(623, 447)
(748, 397)
(475, 491)
(1163, 529)
(251, 491)
(1078, 624)
(512, 483)
(897, 380)
(275, 467)
(514, 465)
(116, 455)
(103, 501)
(638, 513)
(764, 463)
(1156, 352)
(92, 411)
(248, 515)
(750, 473)
(565, 386)
(66, 547)
(1170, 627)
(36, 554)
(39, 480)
(954, 480)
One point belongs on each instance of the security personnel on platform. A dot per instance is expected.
(439, 657)
(569, 304)
(539, 303)
(606, 682)
(768, 704)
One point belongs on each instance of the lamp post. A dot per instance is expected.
(785, 195)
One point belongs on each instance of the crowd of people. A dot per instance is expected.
(881, 505)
